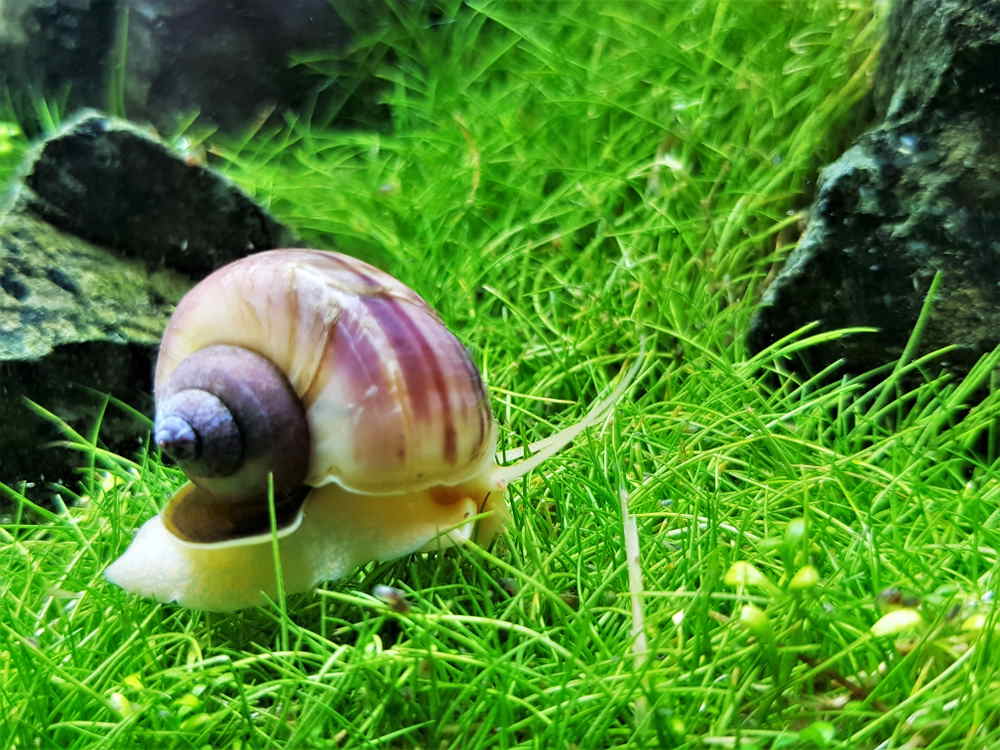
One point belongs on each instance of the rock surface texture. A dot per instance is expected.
(917, 195)
(119, 187)
(105, 232)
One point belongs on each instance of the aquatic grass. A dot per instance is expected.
(563, 180)
(13, 145)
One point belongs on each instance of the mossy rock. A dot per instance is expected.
(106, 231)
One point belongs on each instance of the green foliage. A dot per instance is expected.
(12, 147)
(562, 179)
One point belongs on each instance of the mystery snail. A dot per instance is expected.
(319, 405)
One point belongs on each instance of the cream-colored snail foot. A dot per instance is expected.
(335, 531)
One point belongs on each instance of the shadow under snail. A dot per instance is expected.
(313, 386)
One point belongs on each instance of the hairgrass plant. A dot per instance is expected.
(811, 562)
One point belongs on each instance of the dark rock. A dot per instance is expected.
(916, 195)
(111, 183)
(71, 382)
(56, 49)
(230, 61)
(78, 319)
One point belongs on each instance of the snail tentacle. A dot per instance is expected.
(547, 447)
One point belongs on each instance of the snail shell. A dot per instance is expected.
(392, 400)
(320, 381)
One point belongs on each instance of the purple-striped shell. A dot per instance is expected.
(392, 400)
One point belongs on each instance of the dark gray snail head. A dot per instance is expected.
(229, 418)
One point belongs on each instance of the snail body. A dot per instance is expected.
(317, 403)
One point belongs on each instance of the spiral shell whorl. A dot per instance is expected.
(229, 417)
(196, 429)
